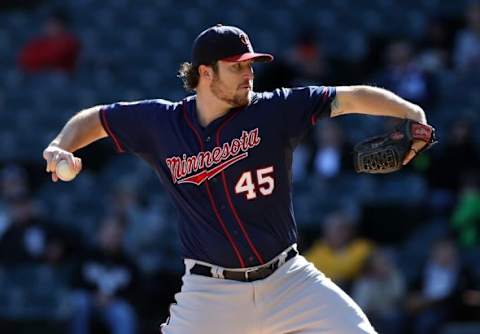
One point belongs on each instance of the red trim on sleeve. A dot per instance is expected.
(230, 203)
(103, 119)
(210, 196)
(325, 96)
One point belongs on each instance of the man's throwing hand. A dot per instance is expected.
(54, 154)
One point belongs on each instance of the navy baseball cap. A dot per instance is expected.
(225, 43)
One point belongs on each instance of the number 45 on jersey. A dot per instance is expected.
(264, 183)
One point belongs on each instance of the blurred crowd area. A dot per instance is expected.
(100, 254)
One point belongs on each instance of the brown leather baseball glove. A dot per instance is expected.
(386, 153)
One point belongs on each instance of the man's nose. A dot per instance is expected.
(248, 73)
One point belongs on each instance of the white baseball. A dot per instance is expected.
(64, 172)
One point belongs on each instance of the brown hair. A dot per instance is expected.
(190, 76)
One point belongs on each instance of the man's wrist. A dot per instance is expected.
(417, 115)
(56, 144)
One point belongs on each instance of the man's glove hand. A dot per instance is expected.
(389, 152)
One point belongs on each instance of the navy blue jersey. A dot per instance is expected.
(231, 180)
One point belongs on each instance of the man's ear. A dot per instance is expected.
(205, 72)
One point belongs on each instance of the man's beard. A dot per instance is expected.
(237, 100)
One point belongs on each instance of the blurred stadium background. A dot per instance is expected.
(413, 235)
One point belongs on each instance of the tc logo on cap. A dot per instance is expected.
(244, 39)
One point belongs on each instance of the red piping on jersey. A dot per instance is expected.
(316, 114)
(210, 197)
(103, 120)
(235, 214)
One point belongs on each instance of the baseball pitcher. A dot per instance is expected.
(224, 155)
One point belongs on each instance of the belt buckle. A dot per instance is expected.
(247, 273)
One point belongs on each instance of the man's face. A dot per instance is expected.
(233, 82)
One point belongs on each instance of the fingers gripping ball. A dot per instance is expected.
(385, 154)
(64, 172)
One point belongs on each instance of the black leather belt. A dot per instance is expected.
(243, 276)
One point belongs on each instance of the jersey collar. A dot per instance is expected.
(213, 126)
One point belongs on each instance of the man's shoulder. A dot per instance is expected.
(152, 102)
(283, 93)
(147, 105)
(278, 98)
(268, 95)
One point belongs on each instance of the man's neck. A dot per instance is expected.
(209, 108)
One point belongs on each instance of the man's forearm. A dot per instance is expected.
(375, 101)
(81, 130)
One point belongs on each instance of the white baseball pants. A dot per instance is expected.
(295, 299)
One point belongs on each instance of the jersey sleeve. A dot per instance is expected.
(132, 125)
(303, 106)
